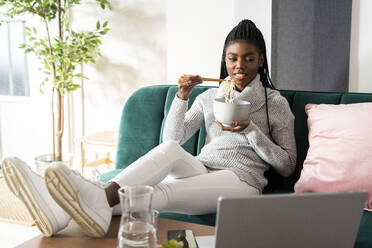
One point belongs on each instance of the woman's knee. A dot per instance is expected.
(170, 146)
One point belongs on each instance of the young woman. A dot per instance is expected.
(232, 161)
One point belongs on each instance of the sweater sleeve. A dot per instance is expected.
(181, 124)
(282, 154)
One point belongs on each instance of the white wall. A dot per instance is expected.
(360, 76)
(133, 56)
(196, 32)
(259, 11)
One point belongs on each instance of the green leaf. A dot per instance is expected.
(172, 244)
(68, 53)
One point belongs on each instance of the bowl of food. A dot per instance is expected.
(225, 112)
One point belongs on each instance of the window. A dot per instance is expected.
(13, 64)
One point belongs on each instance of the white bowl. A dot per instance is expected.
(225, 112)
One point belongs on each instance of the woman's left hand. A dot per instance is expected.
(235, 126)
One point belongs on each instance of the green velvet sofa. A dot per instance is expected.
(142, 123)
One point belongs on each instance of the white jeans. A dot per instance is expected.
(181, 182)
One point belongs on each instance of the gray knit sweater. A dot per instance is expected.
(248, 153)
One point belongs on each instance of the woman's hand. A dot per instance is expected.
(236, 126)
(185, 85)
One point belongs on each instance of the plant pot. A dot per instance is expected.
(44, 161)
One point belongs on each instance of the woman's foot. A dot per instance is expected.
(85, 201)
(30, 188)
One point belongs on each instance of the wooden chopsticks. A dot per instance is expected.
(213, 79)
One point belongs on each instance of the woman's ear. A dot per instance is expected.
(261, 60)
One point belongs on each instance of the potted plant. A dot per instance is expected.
(60, 55)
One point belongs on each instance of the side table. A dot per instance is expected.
(72, 236)
(105, 142)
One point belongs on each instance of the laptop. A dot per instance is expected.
(288, 220)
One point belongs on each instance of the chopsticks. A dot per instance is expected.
(213, 79)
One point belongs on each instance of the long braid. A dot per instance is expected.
(246, 30)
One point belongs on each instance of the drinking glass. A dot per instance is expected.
(137, 227)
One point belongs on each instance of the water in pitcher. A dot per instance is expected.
(137, 234)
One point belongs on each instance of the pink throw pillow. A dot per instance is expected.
(340, 152)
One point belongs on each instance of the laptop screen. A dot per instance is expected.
(290, 220)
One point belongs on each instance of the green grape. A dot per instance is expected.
(172, 244)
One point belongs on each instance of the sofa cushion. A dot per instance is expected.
(355, 98)
(363, 239)
(205, 219)
(140, 124)
(105, 177)
(298, 108)
(338, 158)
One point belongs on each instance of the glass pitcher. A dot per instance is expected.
(137, 227)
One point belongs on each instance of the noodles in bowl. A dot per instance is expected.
(229, 89)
